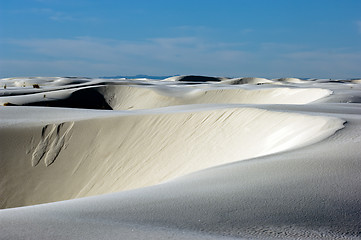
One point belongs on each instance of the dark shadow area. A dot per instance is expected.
(192, 78)
(87, 98)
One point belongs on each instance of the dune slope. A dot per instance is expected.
(58, 161)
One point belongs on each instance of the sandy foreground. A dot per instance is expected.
(186, 157)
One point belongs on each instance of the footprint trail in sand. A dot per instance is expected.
(53, 140)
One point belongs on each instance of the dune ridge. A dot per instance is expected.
(128, 97)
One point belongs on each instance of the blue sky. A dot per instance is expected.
(260, 38)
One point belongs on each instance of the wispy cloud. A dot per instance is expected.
(158, 55)
(192, 29)
(53, 15)
(60, 16)
(338, 63)
(184, 55)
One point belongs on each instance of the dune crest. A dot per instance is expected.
(132, 97)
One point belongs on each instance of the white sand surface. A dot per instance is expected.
(173, 159)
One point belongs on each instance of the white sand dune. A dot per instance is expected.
(130, 97)
(206, 160)
(247, 80)
(291, 80)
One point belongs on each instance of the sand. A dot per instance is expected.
(180, 158)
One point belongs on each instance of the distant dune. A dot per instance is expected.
(184, 157)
